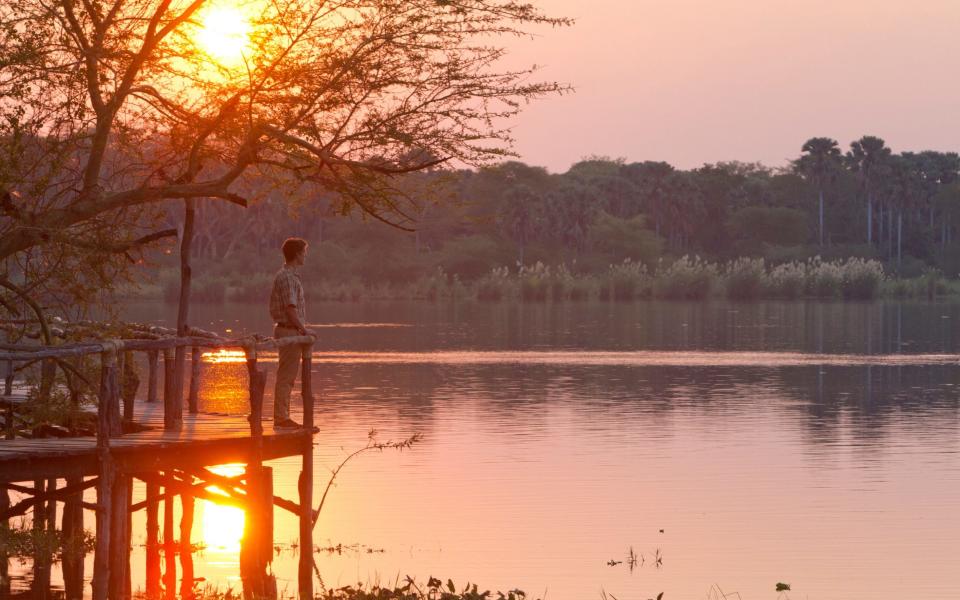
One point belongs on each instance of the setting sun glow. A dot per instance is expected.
(222, 525)
(225, 35)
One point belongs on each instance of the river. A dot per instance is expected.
(723, 446)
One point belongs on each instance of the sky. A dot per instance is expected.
(700, 81)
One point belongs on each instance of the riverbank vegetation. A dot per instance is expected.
(854, 225)
(686, 278)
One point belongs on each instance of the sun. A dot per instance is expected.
(224, 35)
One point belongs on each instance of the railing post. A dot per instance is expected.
(8, 377)
(255, 552)
(108, 390)
(305, 571)
(172, 405)
(196, 362)
(153, 360)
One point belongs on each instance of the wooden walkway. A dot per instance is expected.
(205, 439)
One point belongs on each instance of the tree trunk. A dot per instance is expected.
(821, 217)
(899, 236)
(183, 308)
(869, 219)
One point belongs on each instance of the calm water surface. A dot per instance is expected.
(730, 445)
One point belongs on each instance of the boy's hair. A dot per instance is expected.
(293, 246)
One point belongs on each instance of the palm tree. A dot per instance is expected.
(652, 180)
(866, 156)
(819, 162)
(907, 188)
(520, 216)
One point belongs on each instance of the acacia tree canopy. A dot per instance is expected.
(111, 106)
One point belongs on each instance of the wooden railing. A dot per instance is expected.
(109, 410)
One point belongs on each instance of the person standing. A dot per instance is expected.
(288, 311)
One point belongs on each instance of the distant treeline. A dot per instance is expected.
(867, 202)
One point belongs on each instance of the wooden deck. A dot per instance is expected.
(205, 439)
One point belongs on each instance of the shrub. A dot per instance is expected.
(495, 285)
(687, 278)
(745, 278)
(534, 282)
(861, 278)
(787, 280)
(824, 280)
(626, 280)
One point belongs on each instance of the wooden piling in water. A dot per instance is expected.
(169, 547)
(101, 560)
(153, 542)
(187, 502)
(196, 362)
(257, 545)
(71, 524)
(4, 559)
(120, 539)
(305, 570)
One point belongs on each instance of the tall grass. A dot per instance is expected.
(687, 278)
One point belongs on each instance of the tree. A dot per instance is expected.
(111, 108)
(757, 226)
(866, 156)
(820, 162)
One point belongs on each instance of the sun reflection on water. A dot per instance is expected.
(224, 356)
(222, 525)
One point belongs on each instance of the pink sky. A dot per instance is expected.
(695, 81)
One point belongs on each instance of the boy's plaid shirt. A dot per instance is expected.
(287, 290)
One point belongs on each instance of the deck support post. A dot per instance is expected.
(305, 570)
(153, 543)
(73, 552)
(187, 502)
(196, 362)
(40, 586)
(4, 559)
(172, 398)
(101, 560)
(169, 547)
(120, 538)
(257, 544)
